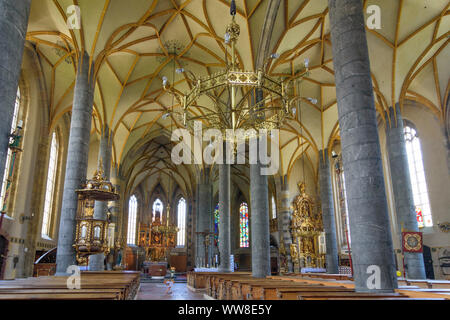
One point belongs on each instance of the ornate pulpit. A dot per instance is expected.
(91, 235)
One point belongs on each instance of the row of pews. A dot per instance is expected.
(104, 285)
(241, 286)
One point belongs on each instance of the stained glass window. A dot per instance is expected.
(51, 177)
(417, 174)
(132, 211)
(158, 207)
(274, 208)
(216, 225)
(6, 173)
(181, 214)
(243, 219)
(343, 209)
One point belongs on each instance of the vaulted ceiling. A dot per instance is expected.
(128, 43)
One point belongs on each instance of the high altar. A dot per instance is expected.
(306, 227)
(157, 240)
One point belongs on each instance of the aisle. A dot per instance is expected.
(157, 291)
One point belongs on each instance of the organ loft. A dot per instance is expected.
(224, 149)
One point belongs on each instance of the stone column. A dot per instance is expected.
(329, 224)
(77, 159)
(116, 205)
(373, 253)
(203, 219)
(96, 261)
(260, 223)
(401, 186)
(224, 220)
(13, 28)
(285, 217)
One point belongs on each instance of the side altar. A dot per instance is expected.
(306, 228)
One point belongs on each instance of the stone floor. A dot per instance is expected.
(157, 291)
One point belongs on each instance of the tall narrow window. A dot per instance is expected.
(343, 209)
(274, 208)
(7, 174)
(216, 225)
(132, 211)
(181, 213)
(417, 174)
(157, 207)
(50, 189)
(243, 219)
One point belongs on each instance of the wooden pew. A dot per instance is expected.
(58, 296)
(439, 284)
(216, 283)
(321, 276)
(106, 285)
(292, 293)
(198, 280)
(246, 287)
(347, 295)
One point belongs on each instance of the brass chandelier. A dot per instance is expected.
(275, 105)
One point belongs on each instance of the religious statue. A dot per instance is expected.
(294, 252)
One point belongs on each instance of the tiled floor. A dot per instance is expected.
(157, 291)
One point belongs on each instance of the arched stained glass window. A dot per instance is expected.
(274, 208)
(181, 214)
(9, 164)
(216, 225)
(132, 211)
(158, 206)
(243, 219)
(50, 189)
(417, 174)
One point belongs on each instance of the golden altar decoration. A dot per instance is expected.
(157, 238)
(91, 236)
(306, 227)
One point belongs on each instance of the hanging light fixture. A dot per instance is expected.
(240, 111)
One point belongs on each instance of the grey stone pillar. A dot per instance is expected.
(13, 28)
(116, 205)
(224, 220)
(259, 222)
(329, 223)
(96, 261)
(203, 219)
(373, 253)
(77, 159)
(285, 217)
(401, 186)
